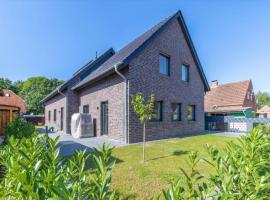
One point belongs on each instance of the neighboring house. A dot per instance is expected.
(232, 99)
(264, 112)
(11, 105)
(162, 62)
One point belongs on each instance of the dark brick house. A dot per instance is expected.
(162, 62)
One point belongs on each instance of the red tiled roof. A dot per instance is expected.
(229, 96)
(12, 100)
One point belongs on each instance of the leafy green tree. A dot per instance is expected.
(5, 84)
(34, 89)
(144, 110)
(17, 86)
(263, 98)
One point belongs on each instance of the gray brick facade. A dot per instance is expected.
(144, 76)
(142, 73)
(109, 89)
(55, 104)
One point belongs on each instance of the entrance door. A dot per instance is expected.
(4, 120)
(62, 119)
(104, 118)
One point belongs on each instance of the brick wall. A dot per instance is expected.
(109, 89)
(55, 103)
(248, 102)
(144, 76)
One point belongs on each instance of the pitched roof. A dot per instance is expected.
(229, 96)
(124, 55)
(82, 72)
(9, 98)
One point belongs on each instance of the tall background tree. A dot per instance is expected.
(5, 83)
(33, 90)
(263, 98)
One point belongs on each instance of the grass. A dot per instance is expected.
(136, 180)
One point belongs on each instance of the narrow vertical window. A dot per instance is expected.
(176, 111)
(185, 73)
(158, 111)
(86, 109)
(54, 115)
(49, 115)
(164, 64)
(191, 113)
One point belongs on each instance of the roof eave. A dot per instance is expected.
(101, 76)
(193, 51)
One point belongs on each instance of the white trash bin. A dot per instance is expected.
(81, 125)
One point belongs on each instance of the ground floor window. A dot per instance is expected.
(176, 111)
(158, 111)
(86, 109)
(54, 115)
(191, 113)
(49, 115)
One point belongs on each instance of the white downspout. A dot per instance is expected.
(125, 97)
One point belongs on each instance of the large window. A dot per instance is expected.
(191, 113)
(49, 115)
(176, 111)
(164, 64)
(185, 73)
(86, 109)
(54, 115)
(158, 110)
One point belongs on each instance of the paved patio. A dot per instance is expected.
(69, 144)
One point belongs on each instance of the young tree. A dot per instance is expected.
(144, 110)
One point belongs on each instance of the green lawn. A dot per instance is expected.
(135, 180)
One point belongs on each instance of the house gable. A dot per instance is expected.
(232, 96)
(126, 54)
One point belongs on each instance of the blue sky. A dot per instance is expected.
(55, 38)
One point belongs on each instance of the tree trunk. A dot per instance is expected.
(144, 142)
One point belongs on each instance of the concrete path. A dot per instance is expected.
(70, 145)
(228, 134)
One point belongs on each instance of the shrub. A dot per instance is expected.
(242, 171)
(34, 170)
(19, 128)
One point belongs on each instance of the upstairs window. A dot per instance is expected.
(191, 113)
(54, 115)
(176, 111)
(164, 64)
(86, 109)
(185, 73)
(158, 111)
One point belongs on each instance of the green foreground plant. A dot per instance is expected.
(18, 129)
(34, 170)
(242, 171)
